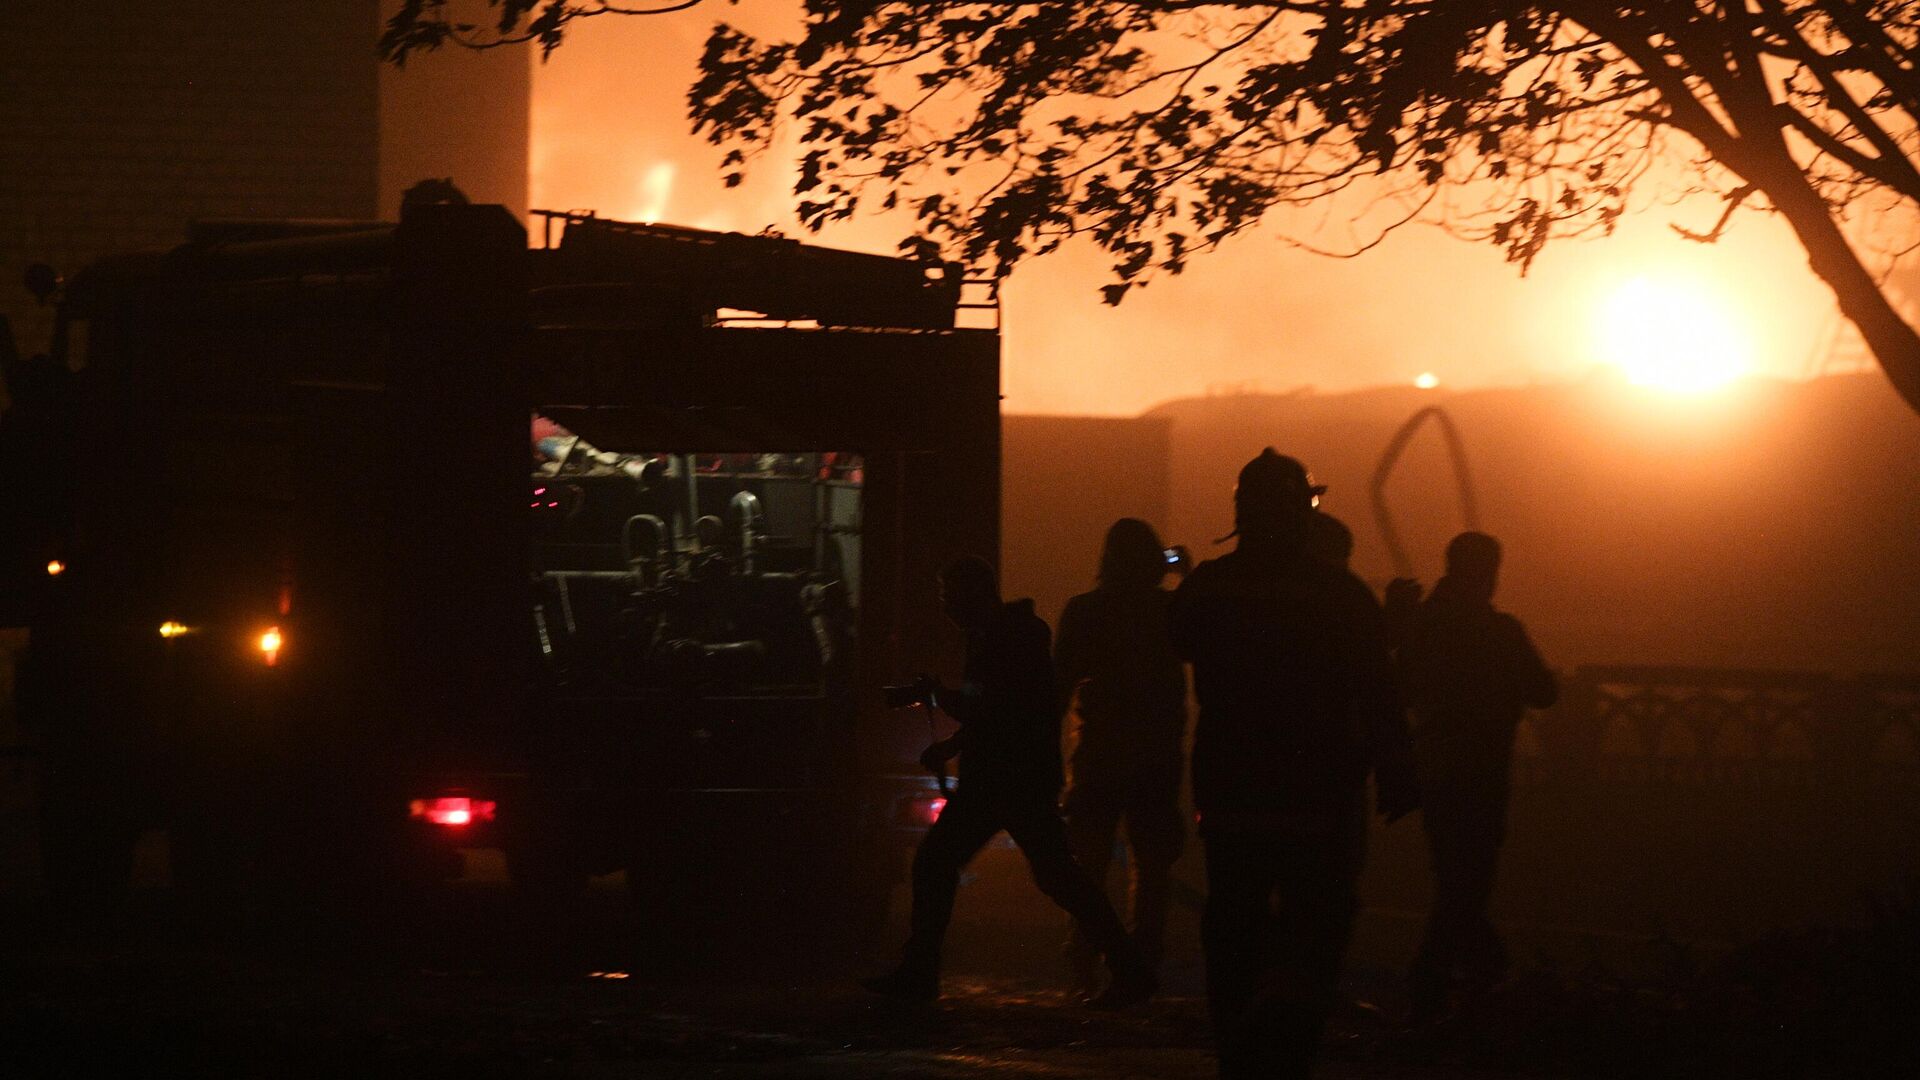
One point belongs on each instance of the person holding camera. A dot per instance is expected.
(1297, 706)
(1119, 669)
(1008, 744)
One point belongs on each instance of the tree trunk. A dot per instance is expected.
(1894, 343)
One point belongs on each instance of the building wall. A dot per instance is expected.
(122, 121)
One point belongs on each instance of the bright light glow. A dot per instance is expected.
(654, 191)
(1426, 380)
(171, 629)
(1673, 334)
(269, 645)
(453, 811)
(55, 568)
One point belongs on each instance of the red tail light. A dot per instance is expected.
(921, 812)
(453, 811)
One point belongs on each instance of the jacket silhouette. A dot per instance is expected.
(1007, 704)
(1469, 672)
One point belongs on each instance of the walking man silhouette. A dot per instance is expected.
(1008, 706)
(1297, 706)
(1469, 672)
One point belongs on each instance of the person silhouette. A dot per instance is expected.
(1128, 687)
(1008, 706)
(1297, 706)
(1468, 671)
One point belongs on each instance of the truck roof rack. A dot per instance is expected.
(774, 277)
(206, 232)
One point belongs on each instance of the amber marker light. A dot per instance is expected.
(55, 568)
(269, 644)
(171, 629)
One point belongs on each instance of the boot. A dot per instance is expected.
(1083, 962)
(908, 982)
(1428, 990)
(1131, 982)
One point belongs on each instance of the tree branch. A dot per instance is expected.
(1896, 170)
(1833, 146)
(1684, 110)
(1733, 200)
(1888, 60)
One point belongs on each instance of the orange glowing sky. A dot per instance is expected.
(609, 133)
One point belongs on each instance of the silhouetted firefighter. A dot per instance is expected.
(1010, 775)
(1468, 670)
(1297, 705)
(1116, 657)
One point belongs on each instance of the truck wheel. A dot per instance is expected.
(206, 862)
(89, 873)
(870, 900)
(86, 847)
(545, 872)
(676, 902)
(822, 903)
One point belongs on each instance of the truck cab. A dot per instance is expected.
(388, 540)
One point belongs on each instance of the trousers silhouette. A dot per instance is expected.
(969, 821)
(1464, 833)
(1147, 799)
(1281, 902)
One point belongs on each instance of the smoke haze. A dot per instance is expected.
(610, 133)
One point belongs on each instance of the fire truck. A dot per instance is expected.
(383, 541)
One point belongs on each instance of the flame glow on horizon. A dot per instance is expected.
(1673, 334)
(653, 193)
(610, 134)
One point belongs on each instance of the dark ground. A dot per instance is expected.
(483, 986)
(477, 984)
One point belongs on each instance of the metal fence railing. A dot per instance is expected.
(1679, 726)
